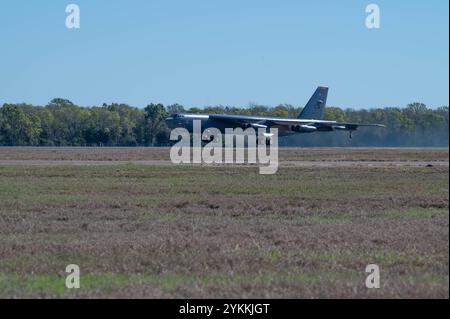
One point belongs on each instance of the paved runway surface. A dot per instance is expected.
(282, 163)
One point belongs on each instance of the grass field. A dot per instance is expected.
(159, 231)
(163, 153)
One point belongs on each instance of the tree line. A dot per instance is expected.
(62, 123)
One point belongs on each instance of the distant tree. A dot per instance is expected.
(416, 109)
(175, 108)
(335, 113)
(16, 128)
(260, 110)
(162, 138)
(69, 124)
(47, 120)
(58, 102)
(195, 110)
(62, 123)
(154, 116)
(103, 128)
(280, 111)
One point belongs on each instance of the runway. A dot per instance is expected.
(318, 163)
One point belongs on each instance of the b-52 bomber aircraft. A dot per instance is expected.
(309, 120)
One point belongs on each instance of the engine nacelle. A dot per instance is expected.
(303, 128)
(255, 126)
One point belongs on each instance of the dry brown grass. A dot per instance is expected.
(285, 154)
(171, 231)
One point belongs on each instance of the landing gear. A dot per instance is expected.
(350, 134)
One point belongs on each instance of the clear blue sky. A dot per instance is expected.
(226, 52)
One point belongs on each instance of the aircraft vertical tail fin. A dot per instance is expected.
(315, 108)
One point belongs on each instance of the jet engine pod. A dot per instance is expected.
(254, 126)
(303, 128)
(257, 126)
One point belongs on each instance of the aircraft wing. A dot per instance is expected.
(269, 122)
(322, 123)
